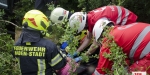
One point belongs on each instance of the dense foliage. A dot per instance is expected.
(116, 54)
(9, 66)
(139, 7)
(136, 6)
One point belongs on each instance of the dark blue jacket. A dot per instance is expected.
(37, 55)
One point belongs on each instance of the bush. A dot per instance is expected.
(8, 64)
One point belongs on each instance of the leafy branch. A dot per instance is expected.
(11, 23)
(116, 55)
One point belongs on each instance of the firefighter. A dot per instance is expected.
(37, 55)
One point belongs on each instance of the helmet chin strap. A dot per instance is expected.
(25, 26)
(43, 33)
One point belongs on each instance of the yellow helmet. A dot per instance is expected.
(83, 34)
(35, 19)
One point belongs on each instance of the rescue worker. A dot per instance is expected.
(84, 67)
(58, 15)
(134, 39)
(37, 55)
(119, 15)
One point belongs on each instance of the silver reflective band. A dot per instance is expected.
(97, 73)
(41, 66)
(138, 41)
(119, 15)
(145, 51)
(127, 26)
(124, 21)
(56, 60)
(64, 55)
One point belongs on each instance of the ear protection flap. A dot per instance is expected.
(49, 28)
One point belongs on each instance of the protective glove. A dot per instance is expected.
(75, 54)
(64, 45)
(78, 59)
(69, 55)
(72, 56)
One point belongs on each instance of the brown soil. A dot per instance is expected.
(17, 34)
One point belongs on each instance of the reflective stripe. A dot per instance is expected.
(138, 41)
(145, 51)
(127, 26)
(18, 59)
(64, 55)
(124, 21)
(119, 15)
(56, 60)
(41, 66)
(97, 73)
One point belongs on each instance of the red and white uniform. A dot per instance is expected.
(135, 41)
(117, 14)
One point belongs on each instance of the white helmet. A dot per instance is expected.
(99, 26)
(58, 15)
(78, 19)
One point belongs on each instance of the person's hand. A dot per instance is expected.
(72, 56)
(87, 53)
(78, 59)
(69, 55)
(68, 59)
(75, 54)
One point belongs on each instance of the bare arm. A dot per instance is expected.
(85, 42)
(92, 48)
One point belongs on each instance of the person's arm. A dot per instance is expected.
(92, 48)
(86, 42)
(55, 58)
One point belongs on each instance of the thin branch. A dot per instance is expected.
(3, 34)
(11, 23)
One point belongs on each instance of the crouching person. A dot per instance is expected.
(134, 39)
